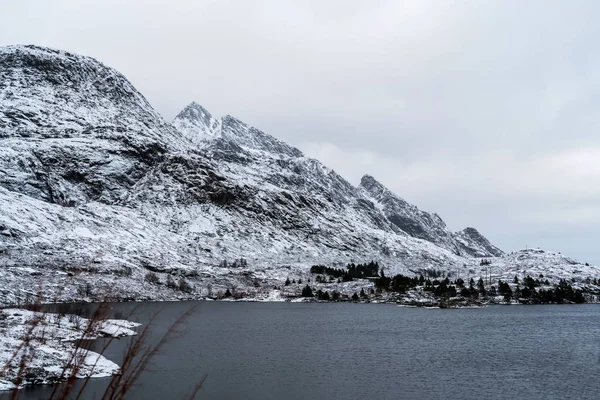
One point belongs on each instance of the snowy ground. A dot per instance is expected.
(44, 342)
(261, 279)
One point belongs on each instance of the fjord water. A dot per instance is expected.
(368, 351)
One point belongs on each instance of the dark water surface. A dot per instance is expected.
(367, 351)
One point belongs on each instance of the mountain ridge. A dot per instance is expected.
(94, 180)
(192, 121)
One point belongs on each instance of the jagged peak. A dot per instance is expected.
(471, 231)
(482, 243)
(368, 181)
(195, 113)
(376, 188)
(196, 106)
(195, 121)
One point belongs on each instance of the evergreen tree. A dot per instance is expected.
(227, 293)
(516, 280)
(451, 291)
(307, 292)
(518, 292)
(362, 293)
(287, 282)
(355, 297)
(481, 286)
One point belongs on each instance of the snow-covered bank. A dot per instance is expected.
(39, 348)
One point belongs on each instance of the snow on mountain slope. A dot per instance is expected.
(424, 225)
(96, 187)
(199, 126)
(537, 262)
(73, 130)
(474, 243)
(55, 94)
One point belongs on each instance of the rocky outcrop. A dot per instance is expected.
(475, 244)
(423, 225)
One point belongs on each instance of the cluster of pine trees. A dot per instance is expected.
(352, 271)
(334, 296)
(529, 289)
(563, 292)
(398, 283)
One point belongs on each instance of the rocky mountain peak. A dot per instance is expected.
(384, 195)
(46, 93)
(470, 238)
(425, 225)
(370, 183)
(196, 114)
(198, 125)
(472, 232)
(249, 137)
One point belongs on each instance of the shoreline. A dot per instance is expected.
(43, 347)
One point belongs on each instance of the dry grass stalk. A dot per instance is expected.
(136, 359)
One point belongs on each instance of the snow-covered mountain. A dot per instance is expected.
(96, 185)
(424, 225)
(273, 164)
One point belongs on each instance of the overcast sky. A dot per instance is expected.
(486, 112)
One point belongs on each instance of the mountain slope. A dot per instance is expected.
(74, 130)
(424, 225)
(475, 244)
(96, 187)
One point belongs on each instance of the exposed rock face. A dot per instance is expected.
(55, 94)
(199, 126)
(89, 171)
(475, 244)
(73, 130)
(424, 225)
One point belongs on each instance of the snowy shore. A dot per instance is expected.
(40, 348)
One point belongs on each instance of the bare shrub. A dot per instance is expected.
(152, 278)
(137, 357)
